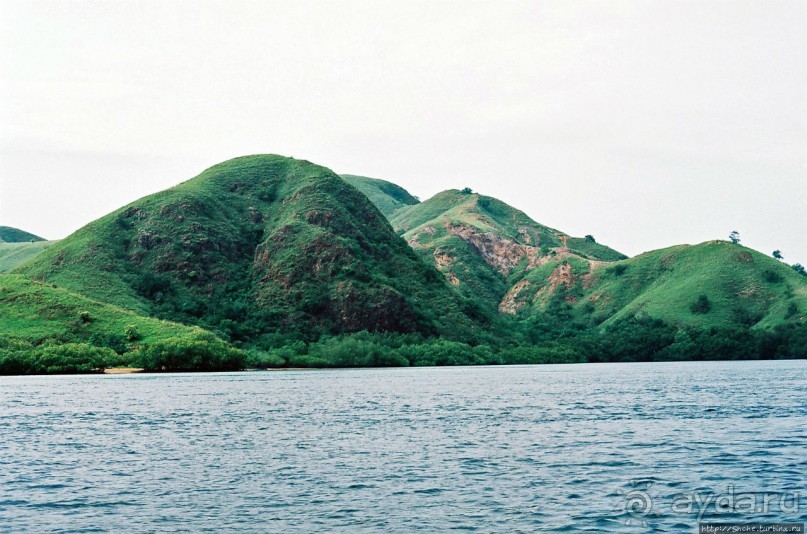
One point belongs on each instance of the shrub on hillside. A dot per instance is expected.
(772, 277)
(701, 305)
(792, 310)
(131, 332)
(618, 269)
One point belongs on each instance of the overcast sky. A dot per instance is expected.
(645, 123)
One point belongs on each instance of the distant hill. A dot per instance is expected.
(387, 196)
(15, 235)
(13, 255)
(712, 284)
(484, 246)
(258, 248)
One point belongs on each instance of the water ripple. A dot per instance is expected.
(557, 448)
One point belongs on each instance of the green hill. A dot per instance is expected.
(714, 284)
(387, 196)
(484, 246)
(35, 311)
(46, 329)
(299, 266)
(15, 254)
(15, 235)
(259, 248)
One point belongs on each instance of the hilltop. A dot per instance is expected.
(716, 283)
(15, 235)
(386, 196)
(18, 246)
(483, 246)
(259, 248)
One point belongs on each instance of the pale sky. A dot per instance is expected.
(646, 124)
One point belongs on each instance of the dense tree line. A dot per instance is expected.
(199, 351)
(628, 341)
(539, 342)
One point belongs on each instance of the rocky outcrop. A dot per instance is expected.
(443, 262)
(512, 303)
(501, 254)
(561, 275)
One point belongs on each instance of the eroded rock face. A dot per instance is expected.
(512, 303)
(561, 275)
(443, 262)
(414, 243)
(508, 257)
(525, 292)
(441, 259)
(501, 254)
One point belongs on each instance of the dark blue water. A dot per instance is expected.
(553, 448)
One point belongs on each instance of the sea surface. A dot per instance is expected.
(640, 447)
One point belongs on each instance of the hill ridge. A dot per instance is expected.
(10, 234)
(484, 246)
(741, 286)
(387, 196)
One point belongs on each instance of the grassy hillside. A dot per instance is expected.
(387, 196)
(294, 263)
(714, 284)
(484, 246)
(46, 329)
(259, 248)
(14, 254)
(35, 311)
(15, 235)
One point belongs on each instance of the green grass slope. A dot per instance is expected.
(387, 197)
(14, 254)
(714, 284)
(35, 311)
(15, 235)
(259, 248)
(484, 246)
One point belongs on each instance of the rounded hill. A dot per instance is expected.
(257, 247)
